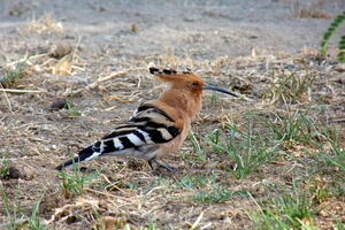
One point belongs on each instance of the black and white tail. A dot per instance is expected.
(82, 156)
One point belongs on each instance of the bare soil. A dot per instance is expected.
(58, 48)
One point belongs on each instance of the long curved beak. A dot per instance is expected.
(219, 89)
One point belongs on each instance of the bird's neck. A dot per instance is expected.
(185, 101)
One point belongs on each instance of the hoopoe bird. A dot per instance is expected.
(158, 127)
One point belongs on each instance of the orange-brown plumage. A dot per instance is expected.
(158, 127)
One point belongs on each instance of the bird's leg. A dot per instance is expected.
(151, 164)
(154, 164)
(167, 166)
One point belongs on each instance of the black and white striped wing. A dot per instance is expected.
(148, 126)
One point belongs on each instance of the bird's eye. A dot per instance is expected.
(195, 83)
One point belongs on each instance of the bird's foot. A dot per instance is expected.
(155, 164)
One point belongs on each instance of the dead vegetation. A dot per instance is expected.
(309, 10)
(218, 184)
(44, 24)
(273, 159)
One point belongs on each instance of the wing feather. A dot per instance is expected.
(149, 125)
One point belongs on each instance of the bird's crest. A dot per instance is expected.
(156, 71)
(172, 75)
(184, 79)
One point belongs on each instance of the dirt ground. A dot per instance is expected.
(55, 50)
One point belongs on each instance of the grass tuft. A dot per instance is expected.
(336, 157)
(248, 148)
(35, 222)
(218, 194)
(290, 211)
(44, 24)
(4, 169)
(197, 148)
(10, 77)
(296, 127)
(196, 182)
(290, 87)
(72, 110)
(74, 183)
(339, 225)
(10, 209)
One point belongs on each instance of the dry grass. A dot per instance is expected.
(44, 24)
(311, 10)
(239, 168)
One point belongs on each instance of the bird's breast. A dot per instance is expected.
(175, 144)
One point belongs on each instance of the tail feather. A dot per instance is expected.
(85, 154)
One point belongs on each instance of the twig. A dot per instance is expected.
(196, 223)
(22, 91)
(106, 78)
(78, 204)
(76, 47)
(38, 56)
(111, 183)
(155, 188)
(246, 98)
(108, 195)
(337, 120)
(7, 99)
(111, 76)
(207, 226)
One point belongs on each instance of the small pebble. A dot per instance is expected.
(60, 50)
(58, 104)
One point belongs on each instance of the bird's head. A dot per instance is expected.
(186, 80)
